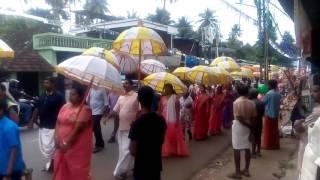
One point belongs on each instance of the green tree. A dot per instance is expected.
(235, 33)
(96, 7)
(185, 28)
(208, 19)
(161, 16)
(132, 15)
(287, 44)
(18, 32)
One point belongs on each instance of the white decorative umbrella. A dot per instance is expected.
(127, 63)
(91, 70)
(150, 66)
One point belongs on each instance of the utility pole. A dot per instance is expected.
(266, 40)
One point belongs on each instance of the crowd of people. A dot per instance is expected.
(148, 126)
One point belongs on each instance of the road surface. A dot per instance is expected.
(103, 163)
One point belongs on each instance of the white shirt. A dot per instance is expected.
(98, 100)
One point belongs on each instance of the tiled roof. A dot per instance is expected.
(27, 61)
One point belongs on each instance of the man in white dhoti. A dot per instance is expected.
(47, 109)
(310, 154)
(127, 108)
(244, 111)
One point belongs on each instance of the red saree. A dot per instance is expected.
(201, 117)
(216, 114)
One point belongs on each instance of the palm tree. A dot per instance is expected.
(96, 6)
(185, 28)
(165, 2)
(161, 16)
(208, 19)
(132, 15)
(57, 7)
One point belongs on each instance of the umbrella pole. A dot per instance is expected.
(139, 65)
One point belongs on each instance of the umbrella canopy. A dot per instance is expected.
(103, 53)
(244, 73)
(127, 63)
(91, 69)
(256, 74)
(227, 63)
(223, 75)
(131, 40)
(151, 66)
(5, 50)
(256, 68)
(217, 60)
(202, 75)
(181, 73)
(158, 80)
(249, 67)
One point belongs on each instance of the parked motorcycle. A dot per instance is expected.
(26, 103)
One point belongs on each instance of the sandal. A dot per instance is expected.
(245, 173)
(234, 176)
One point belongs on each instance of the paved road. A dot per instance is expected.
(103, 163)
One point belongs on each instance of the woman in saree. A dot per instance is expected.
(73, 138)
(201, 112)
(169, 108)
(216, 112)
(229, 97)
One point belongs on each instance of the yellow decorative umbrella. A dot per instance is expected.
(202, 75)
(217, 60)
(256, 68)
(140, 41)
(5, 50)
(244, 73)
(227, 63)
(103, 53)
(249, 67)
(181, 73)
(158, 80)
(223, 75)
(256, 74)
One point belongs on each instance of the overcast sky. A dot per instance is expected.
(190, 8)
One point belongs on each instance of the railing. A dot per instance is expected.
(48, 40)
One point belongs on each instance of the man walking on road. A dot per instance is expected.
(98, 102)
(147, 136)
(271, 100)
(244, 111)
(127, 108)
(47, 108)
(112, 101)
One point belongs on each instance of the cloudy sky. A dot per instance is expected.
(227, 16)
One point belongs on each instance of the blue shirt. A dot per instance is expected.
(272, 103)
(9, 138)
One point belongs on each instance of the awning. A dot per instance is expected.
(5, 50)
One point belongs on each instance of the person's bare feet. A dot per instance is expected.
(235, 176)
(245, 173)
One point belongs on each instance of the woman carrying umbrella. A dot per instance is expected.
(201, 111)
(73, 138)
(174, 144)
